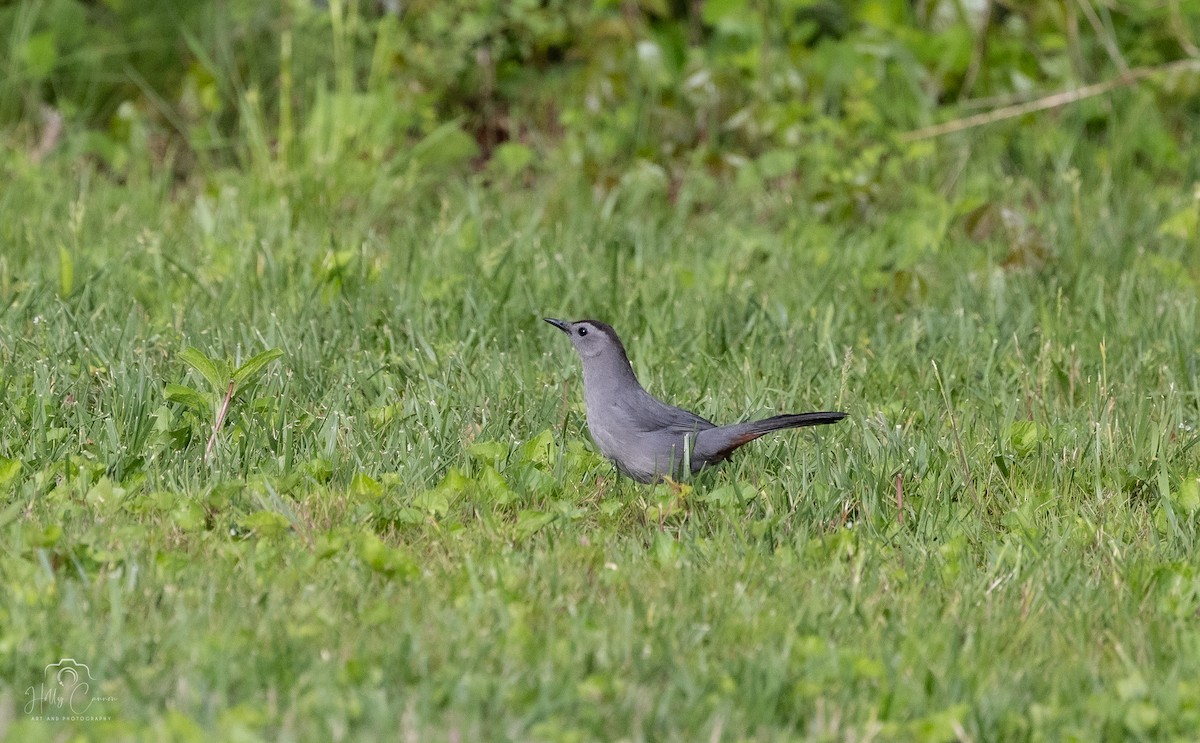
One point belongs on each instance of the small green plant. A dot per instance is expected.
(224, 383)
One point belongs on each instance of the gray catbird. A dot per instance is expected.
(645, 438)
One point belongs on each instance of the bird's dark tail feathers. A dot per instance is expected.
(791, 420)
(717, 443)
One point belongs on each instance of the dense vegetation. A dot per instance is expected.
(287, 454)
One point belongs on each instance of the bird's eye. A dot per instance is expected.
(583, 331)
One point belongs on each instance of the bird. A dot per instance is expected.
(649, 440)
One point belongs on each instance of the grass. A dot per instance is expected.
(403, 530)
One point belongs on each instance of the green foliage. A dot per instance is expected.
(226, 385)
(407, 532)
(761, 92)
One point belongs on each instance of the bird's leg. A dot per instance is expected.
(687, 454)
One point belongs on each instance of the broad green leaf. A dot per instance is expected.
(105, 494)
(433, 501)
(445, 147)
(320, 469)
(46, 537)
(495, 487)
(1024, 436)
(188, 515)
(713, 12)
(214, 371)
(188, 397)
(329, 545)
(666, 550)
(611, 506)
(488, 452)
(530, 522)
(333, 263)
(39, 54)
(1181, 224)
(10, 514)
(541, 449)
(364, 484)
(266, 523)
(940, 725)
(66, 272)
(385, 559)
(726, 495)
(532, 479)
(455, 482)
(8, 469)
(510, 158)
(249, 371)
(1187, 497)
(404, 515)
(383, 415)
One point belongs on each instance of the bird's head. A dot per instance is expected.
(591, 338)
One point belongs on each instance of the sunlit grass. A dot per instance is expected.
(404, 532)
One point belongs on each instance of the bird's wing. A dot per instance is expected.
(648, 414)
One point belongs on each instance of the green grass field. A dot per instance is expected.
(403, 532)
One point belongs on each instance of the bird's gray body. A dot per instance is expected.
(645, 438)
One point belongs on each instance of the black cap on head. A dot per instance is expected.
(580, 327)
(603, 327)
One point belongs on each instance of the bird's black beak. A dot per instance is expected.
(562, 325)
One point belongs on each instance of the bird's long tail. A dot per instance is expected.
(717, 443)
